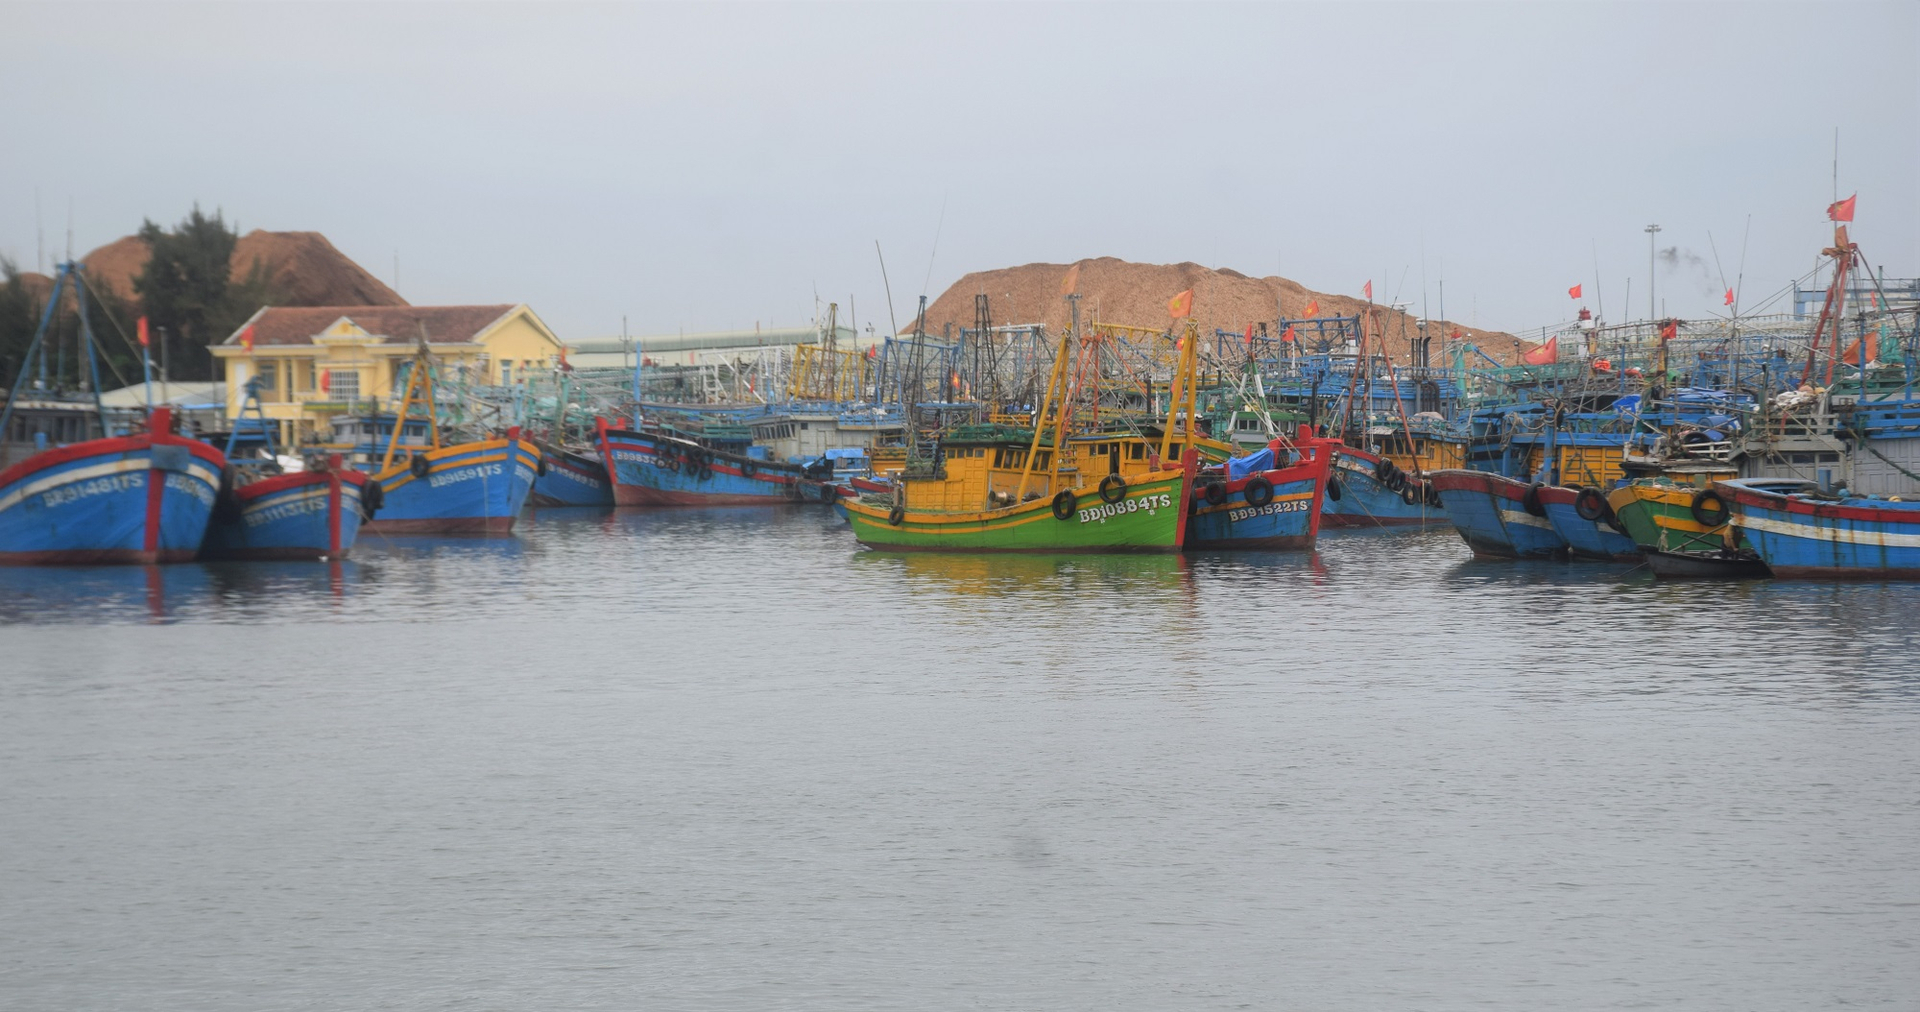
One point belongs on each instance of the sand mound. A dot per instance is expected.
(1115, 291)
(304, 268)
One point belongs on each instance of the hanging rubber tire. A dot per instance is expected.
(419, 465)
(540, 466)
(373, 495)
(828, 493)
(1397, 481)
(1409, 495)
(746, 469)
(897, 514)
(1383, 470)
(1433, 496)
(1705, 515)
(1064, 505)
(1531, 501)
(1113, 488)
(1333, 489)
(1259, 491)
(1215, 492)
(1591, 505)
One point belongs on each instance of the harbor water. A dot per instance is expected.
(724, 759)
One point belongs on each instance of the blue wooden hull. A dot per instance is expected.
(132, 499)
(1288, 520)
(1587, 539)
(472, 487)
(309, 515)
(649, 469)
(1814, 538)
(1491, 515)
(1365, 502)
(572, 480)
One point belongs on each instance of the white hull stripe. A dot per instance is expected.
(1524, 519)
(197, 468)
(1837, 535)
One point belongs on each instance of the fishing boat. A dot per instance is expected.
(1269, 500)
(570, 479)
(986, 489)
(1586, 523)
(1681, 527)
(1370, 490)
(139, 498)
(1804, 533)
(314, 513)
(478, 486)
(273, 507)
(1497, 516)
(654, 467)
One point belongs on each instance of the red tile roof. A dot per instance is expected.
(396, 324)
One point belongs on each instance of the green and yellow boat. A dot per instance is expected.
(1681, 524)
(997, 488)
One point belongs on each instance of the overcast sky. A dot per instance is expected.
(706, 167)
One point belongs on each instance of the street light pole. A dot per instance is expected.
(1652, 231)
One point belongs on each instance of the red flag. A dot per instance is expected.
(246, 338)
(1545, 354)
(326, 380)
(1456, 335)
(1729, 296)
(1181, 305)
(1670, 331)
(1842, 210)
(143, 332)
(1369, 290)
(1288, 336)
(1574, 292)
(1313, 308)
(1249, 335)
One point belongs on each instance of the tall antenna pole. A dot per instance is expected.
(1652, 232)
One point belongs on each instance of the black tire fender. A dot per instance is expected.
(1113, 488)
(420, 465)
(897, 514)
(1531, 501)
(1065, 505)
(1383, 470)
(1708, 516)
(1591, 504)
(373, 495)
(1410, 495)
(1214, 492)
(1258, 490)
(1333, 489)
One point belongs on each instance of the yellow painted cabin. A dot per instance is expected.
(317, 362)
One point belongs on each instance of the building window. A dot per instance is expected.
(268, 374)
(345, 384)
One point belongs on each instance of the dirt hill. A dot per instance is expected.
(304, 268)
(1115, 291)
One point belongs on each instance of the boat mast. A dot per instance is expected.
(39, 333)
(1183, 385)
(1057, 380)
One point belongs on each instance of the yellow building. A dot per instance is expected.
(317, 362)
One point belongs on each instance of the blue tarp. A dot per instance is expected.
(1252, 463)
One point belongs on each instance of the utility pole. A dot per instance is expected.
(1652, 231)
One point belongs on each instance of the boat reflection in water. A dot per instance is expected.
(1015, 574)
